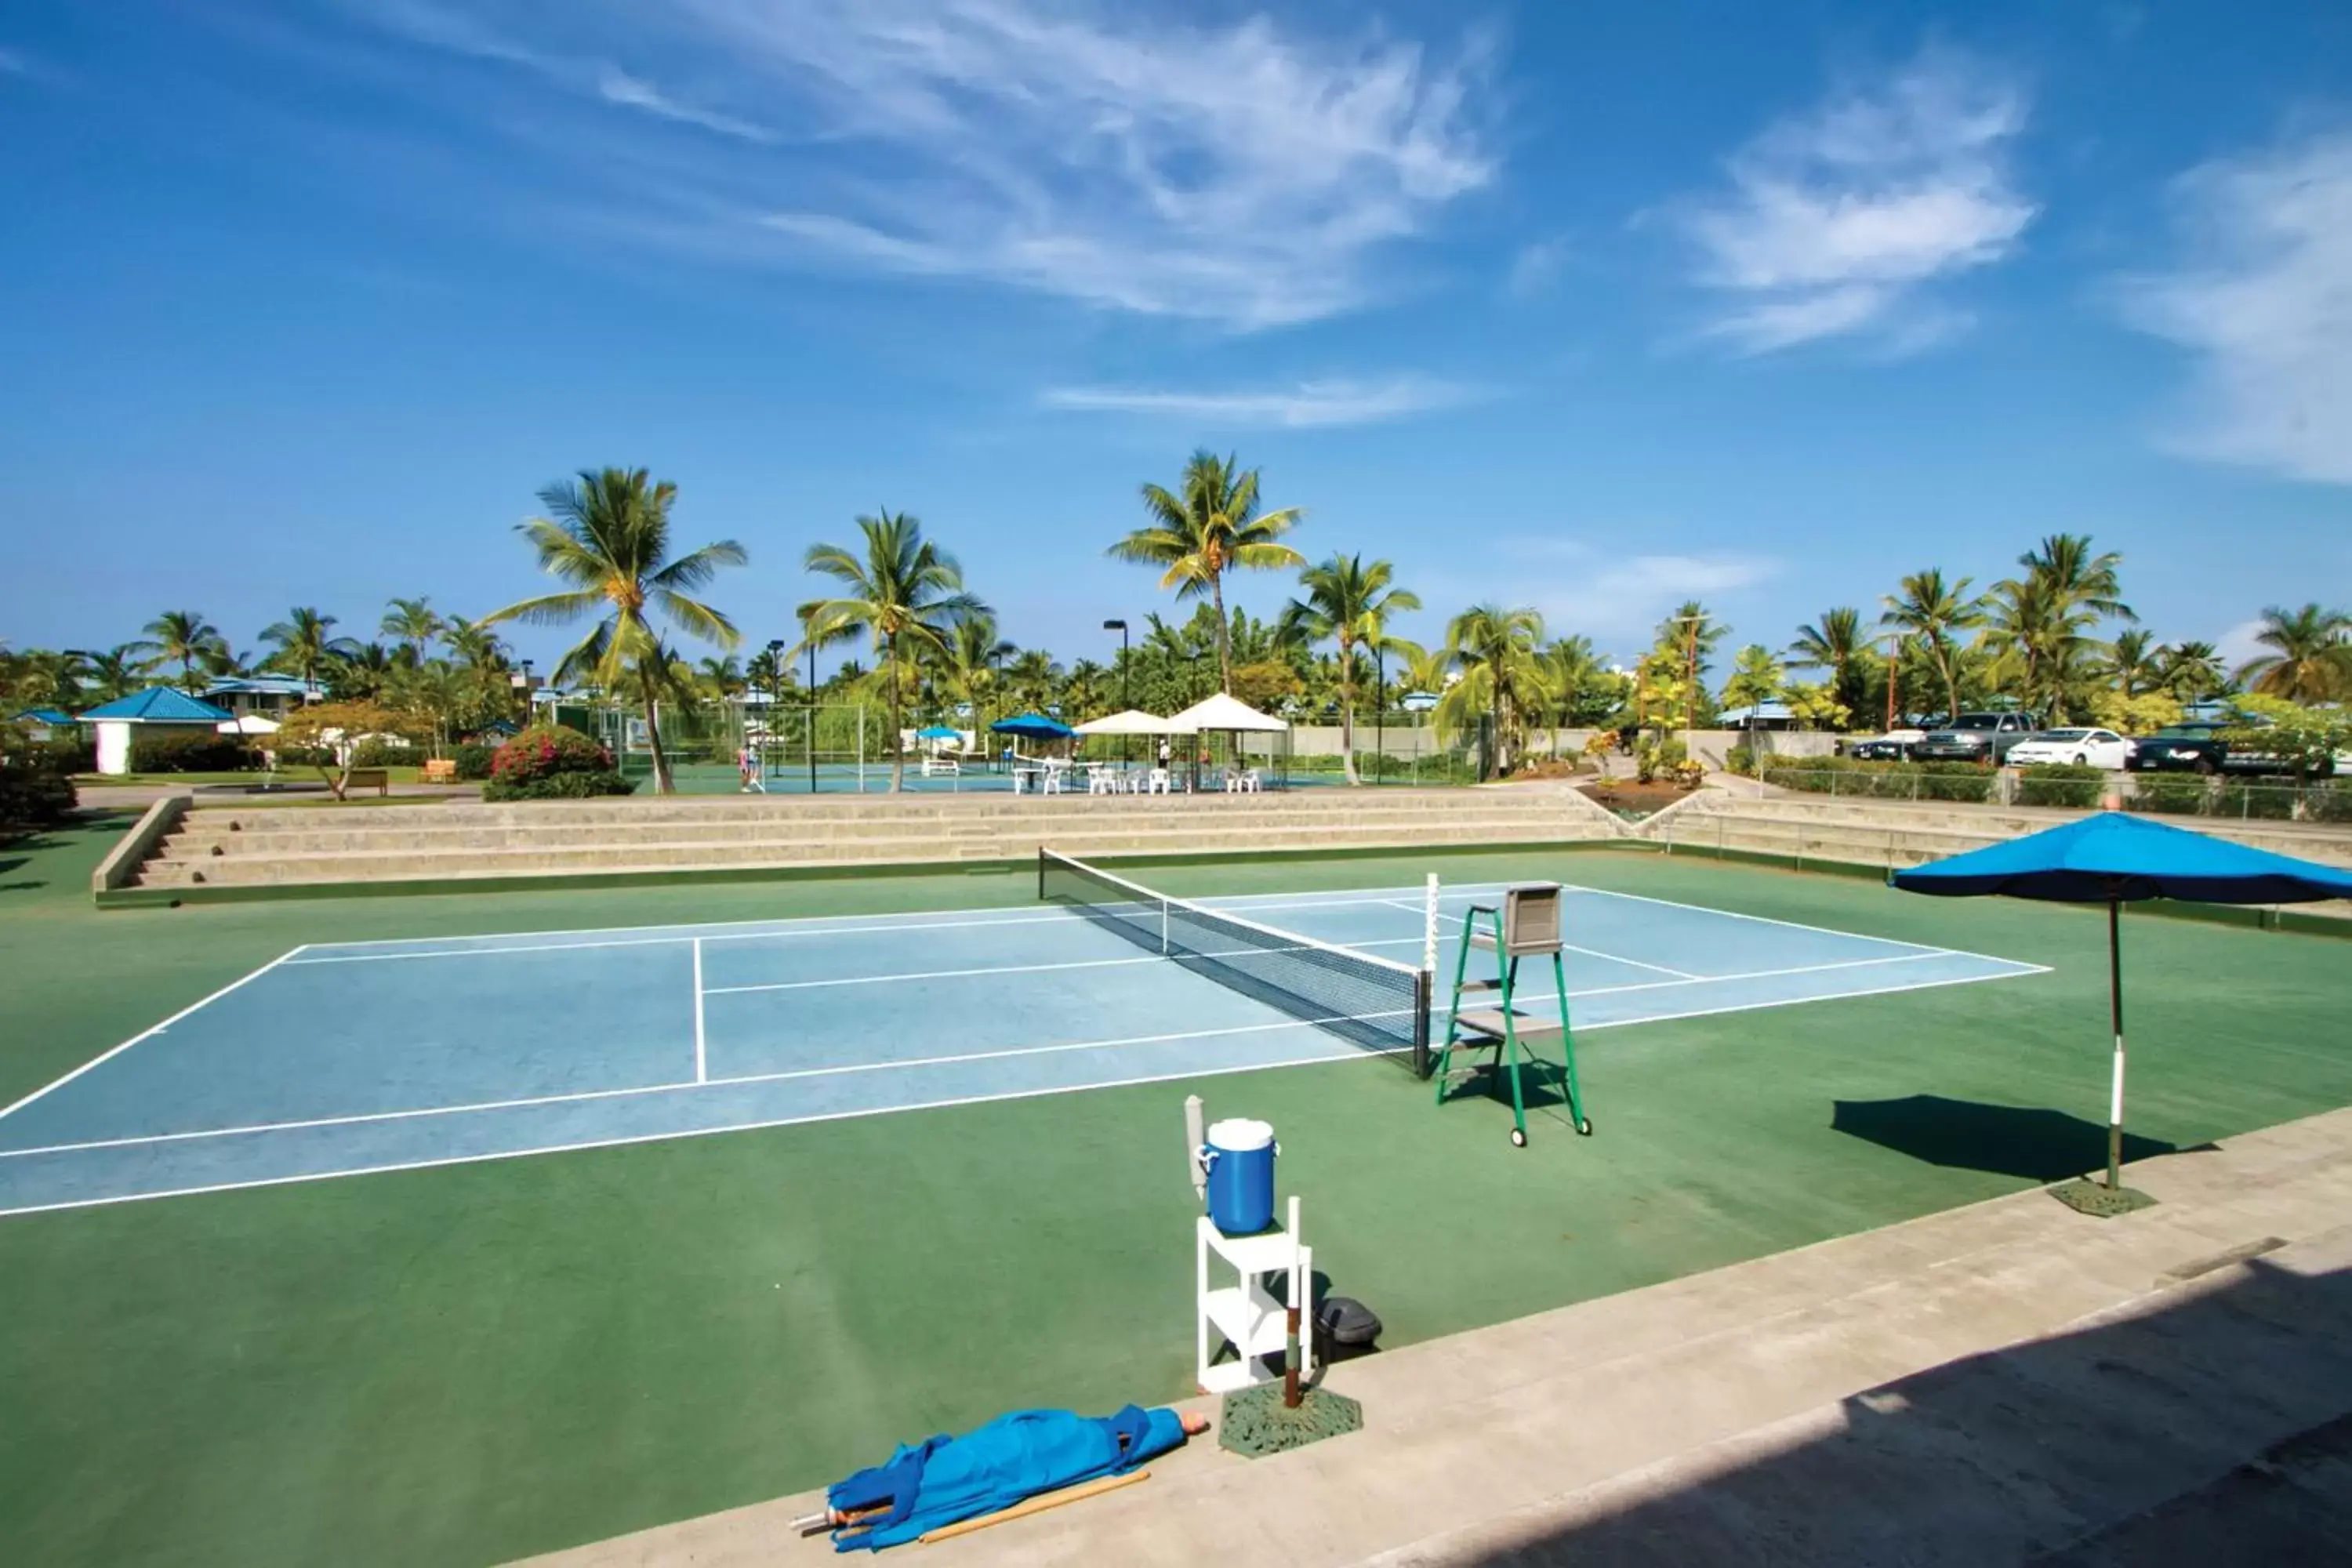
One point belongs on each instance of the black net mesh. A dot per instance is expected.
(1374, 1003)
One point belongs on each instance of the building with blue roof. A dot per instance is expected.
(157, 707)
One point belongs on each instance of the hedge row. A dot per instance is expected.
(2187, 795)
(2061, 784)
(198, 751)
(1884, 781)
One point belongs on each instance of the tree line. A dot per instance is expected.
(2055, 638)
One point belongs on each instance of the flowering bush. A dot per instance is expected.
(552, 762)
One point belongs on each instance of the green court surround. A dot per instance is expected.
(470, 1363)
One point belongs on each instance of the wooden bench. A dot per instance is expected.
(441, 770)
(377, 779)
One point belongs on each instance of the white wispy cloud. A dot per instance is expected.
(1612, 598)
(1250, 175)
(1534, 268)
(2262, 298)
(1836, 221)
(1309, 404)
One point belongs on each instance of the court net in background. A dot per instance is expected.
(1375, 1002)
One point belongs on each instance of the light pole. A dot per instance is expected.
(1125, 705)
(528, 712)
(1380, 707)
(775, 701)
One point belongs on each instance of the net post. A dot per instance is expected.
(1041, 873)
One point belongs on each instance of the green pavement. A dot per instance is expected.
(470, 1363)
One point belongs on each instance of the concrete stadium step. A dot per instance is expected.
(269, 836)
(410, 862)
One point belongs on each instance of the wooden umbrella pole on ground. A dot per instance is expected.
(2115, 1014)
(1034, 1505)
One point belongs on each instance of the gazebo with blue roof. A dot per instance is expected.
(158, 706)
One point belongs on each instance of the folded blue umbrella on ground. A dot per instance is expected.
(1013, 1458)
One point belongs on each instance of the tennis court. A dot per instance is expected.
(343, 1058)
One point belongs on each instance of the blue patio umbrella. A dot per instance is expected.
(2117, 859)
(1033, 727)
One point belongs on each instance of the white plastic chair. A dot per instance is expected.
(1158, 782)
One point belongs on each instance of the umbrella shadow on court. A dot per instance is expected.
(2036, 1143)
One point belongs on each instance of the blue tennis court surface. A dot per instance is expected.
(340, 1060)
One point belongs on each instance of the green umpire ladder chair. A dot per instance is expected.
(1526, 924)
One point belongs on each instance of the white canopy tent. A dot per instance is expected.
(1134, 721)
(1223, 712)
(1228, 715)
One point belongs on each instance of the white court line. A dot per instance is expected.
(1768, 921)
(826, 925)
(149, 1032)
(878, 1110)
(962, 1057)
(686, 934)
(939, 974)
(1631, 962)
(659, 1137)
(740, 1080)
(701, 1054)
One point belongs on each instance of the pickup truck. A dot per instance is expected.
(1975, 738)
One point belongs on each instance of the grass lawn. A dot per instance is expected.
(474, 1362)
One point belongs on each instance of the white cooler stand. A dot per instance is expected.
(1244, 1313)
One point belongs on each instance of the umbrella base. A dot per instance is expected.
(1255, 1422)
(2097, 1199)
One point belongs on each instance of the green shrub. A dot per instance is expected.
(473, 760)
(66, 757)
(550, 762)
(2174, 794)
(1957, 781)
(37, 788)
(559, 786)
(304, 756)
(384, 751)
(1740, 760)
(2061, 783)
(190, 751)
(2329, 803)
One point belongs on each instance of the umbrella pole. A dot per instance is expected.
(2116, 1011)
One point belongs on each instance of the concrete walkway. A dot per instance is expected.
(2007, 1383)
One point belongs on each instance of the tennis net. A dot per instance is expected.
(1375, 1002)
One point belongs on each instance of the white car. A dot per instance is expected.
(2094, 747)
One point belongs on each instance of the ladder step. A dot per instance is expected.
(1480, 985)
(1489, 1021)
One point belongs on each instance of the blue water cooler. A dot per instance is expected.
(1239, 1153)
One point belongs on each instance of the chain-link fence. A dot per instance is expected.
(2071, 788)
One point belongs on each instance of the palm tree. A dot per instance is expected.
(1212, 528)
(1033, 679)
(1574, 669)
(412, 625)
(1756, 678)
(1836, 642)
(306, 643)
(182, 637)
(476, 644)
(1348, 603)
(1502, 674)
(2192, 670)
(111, 672)
(1929, 611)
(609, 537)
(2133, 662)
(907, 592)
(720, 678)
(969, 661)
(2063, 563)
(2310, 659)
(1085, 693)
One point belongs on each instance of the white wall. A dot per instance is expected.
(113, 745)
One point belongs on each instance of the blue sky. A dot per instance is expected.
(1592, 307)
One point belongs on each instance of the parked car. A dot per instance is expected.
(2083, 748)
(1975, 738)
(2200, 745)
(1892, 747)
